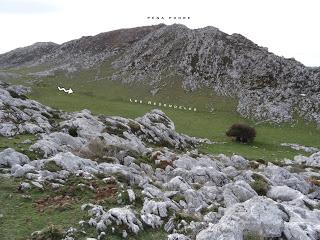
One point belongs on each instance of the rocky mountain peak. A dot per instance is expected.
(104, 41)
(268, 87)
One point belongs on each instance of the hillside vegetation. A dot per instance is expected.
(215, 114)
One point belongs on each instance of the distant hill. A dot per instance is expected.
(268, 87)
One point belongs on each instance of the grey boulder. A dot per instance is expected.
(257, 214)
(10, 157)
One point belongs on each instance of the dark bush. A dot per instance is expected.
(52, 166)
(73, 131)
(241, 132)
(135, 127)
(16, 95)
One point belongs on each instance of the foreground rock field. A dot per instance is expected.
(146, 175)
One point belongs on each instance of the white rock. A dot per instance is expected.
(128, 160)
(124, 234)
(280, 176)
(10, 157)
(239, 162)
(157, 208)
(132, 196)
(151, 220)
(313, 160)
(236, 192)
(20, 171)
(8, 129)
(158, 128)
(56, 142)
(87, 125)
(303, 223)
(177, 184)
(115, 216)
(177, 236)
(195, 200)
(70, 162)
(37, 184)
(283, 193)
(25, 186)
(300, 147)
(258, 214)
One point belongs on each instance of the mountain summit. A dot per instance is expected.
(268, 87)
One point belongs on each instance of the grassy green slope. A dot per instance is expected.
(20, 217)
(102, 96)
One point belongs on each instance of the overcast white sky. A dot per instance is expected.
(289, 28)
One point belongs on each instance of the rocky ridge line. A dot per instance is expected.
(268, 87)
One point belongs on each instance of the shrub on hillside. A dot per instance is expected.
(260, 185)
(52, 166)
(99, 150)
(95, 149)
(52, 232)
(73, 131)
(242, 132)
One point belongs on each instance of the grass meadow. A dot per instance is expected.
(102, 96)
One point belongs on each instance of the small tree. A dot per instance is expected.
(241, 132)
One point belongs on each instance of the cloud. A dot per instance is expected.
(26, 7)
